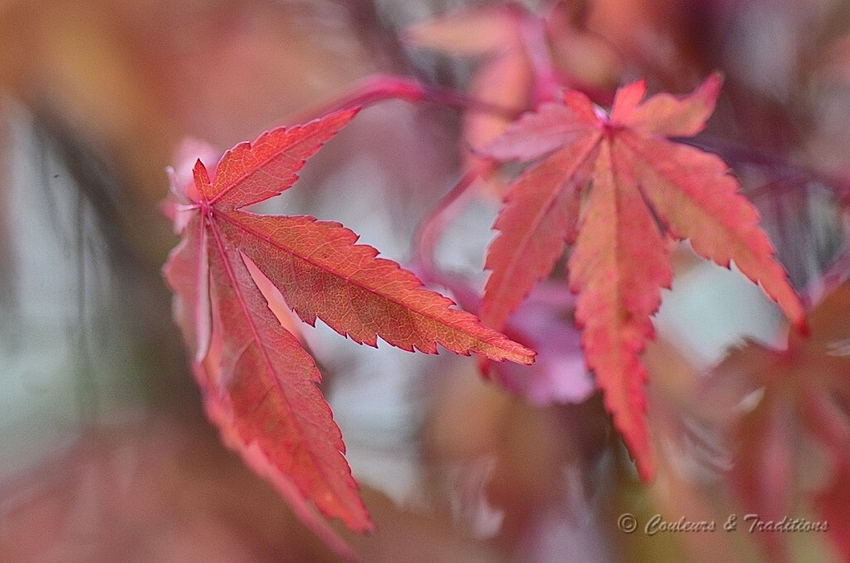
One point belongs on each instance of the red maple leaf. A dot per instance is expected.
(258, 381)
(613, 187)
(803, 404)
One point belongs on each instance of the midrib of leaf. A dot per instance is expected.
(634, 147)
(267, 362)
(237, 290)
(233, 220)
(609, 278)
(618, 257)
(633, 143)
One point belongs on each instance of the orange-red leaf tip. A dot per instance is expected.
(796, 314)
(637, 442)
(526, 357)
(711, 86)
(716, 79)
(508, 350)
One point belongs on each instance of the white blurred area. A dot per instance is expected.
(710, 308)
(66, 355)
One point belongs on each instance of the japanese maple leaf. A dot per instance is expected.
(612, 186)
(233, 267)
(803, 400)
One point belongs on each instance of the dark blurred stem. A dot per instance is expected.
(735, 154)
(546, 85)
(85, 387)
(382, 87)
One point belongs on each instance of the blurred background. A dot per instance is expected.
(105, 454)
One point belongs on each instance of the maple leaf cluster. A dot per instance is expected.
(259, 383)
(609, 187)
